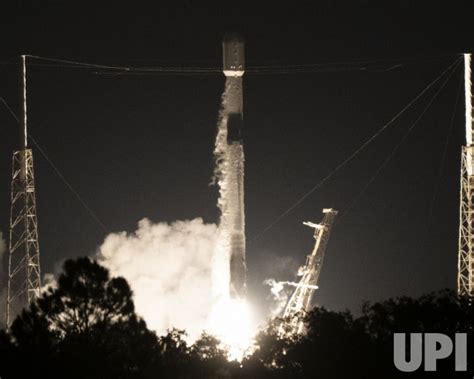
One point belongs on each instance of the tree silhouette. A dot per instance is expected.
(210, 358)
(173, 351)
(86, 298)
(339, 345)
(208, 348)
(85, 327)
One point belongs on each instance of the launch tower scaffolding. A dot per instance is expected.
(300, 300)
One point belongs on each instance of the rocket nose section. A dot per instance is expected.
(233, 36)
(233, 54)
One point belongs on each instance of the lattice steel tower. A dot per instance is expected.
(300, 300)
(24, 281)
(466, 212)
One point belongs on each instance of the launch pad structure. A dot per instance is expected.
(24, 281)
(466, 209)
(300, 300)
(24, 273)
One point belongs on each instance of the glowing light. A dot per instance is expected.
(179, 274)
(233, 323)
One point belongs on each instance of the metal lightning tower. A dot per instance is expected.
(466, 214)
(24, 281)
(300, 300)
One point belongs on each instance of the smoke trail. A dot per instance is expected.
(229, 175)
(169, 269)
(221, 266)
(279, 293)
(279, 296)
(232, 319)
(295, 284)
(180, 272)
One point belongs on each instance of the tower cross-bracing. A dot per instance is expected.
(24, 281)
(300, 300)
(466, 211)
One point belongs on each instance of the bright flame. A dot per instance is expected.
(179, 274)
(233, 323)
(230, 320)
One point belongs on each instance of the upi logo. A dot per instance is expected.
(436, 346)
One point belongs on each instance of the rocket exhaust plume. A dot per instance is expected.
(229, 172)
(189, 274)
(168, 266)
(231, 319)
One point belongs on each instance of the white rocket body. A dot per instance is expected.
(232, 203)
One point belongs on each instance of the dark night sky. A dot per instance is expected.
(139, 146)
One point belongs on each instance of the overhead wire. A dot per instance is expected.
(121, 70)
(445, 151)
(397, 146)
(126, 69)
(58, 172)
(373, 65)
(69, 185)
(380, 65)
(352, 155)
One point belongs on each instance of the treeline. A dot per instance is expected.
(86, 327)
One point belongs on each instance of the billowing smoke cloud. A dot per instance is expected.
(278, 294)
(169, 268)
(277, 270)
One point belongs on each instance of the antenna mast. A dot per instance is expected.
(24, 280)
(466, 211)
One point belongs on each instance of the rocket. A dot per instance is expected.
(233, 57)
(234, 67)
(233, 54)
